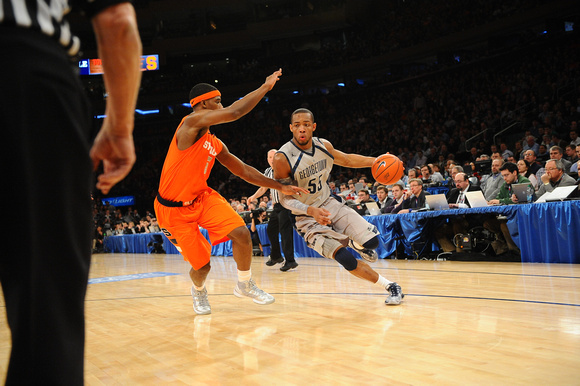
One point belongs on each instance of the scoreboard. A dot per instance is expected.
(95, 66)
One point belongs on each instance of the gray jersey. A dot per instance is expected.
(310, 170)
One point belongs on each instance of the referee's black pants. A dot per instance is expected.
(47, 174)
(280, 223)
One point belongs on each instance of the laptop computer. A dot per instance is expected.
(437, 201)
(373, 208)
(559, 194)
(476, 199)
(520, 190)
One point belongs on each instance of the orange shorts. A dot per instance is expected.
(181, 225)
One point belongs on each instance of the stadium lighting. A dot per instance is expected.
(145, 112)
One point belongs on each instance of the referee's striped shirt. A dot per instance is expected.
(48, 17)
(273, 192)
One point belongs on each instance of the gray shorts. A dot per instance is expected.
(345, 224)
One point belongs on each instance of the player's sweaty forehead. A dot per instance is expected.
(301, 118)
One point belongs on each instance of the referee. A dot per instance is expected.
(46, 121)
(279, 223)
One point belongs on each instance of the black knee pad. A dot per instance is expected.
(346, 259)
(372, 243)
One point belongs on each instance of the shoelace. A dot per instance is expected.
(201, 299)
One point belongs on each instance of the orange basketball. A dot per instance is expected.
(387, 169)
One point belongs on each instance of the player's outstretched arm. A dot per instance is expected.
(237, 109)
(252, 175)
(348, 160)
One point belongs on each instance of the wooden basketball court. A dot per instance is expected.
(461, 323)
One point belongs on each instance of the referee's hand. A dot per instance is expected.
(117, 154)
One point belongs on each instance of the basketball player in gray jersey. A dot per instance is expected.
(326, 224)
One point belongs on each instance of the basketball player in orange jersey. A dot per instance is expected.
(184, 201)
(327, 224)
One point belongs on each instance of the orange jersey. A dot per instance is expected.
(185, 172)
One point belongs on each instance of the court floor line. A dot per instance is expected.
(452, 271)
(351, 294)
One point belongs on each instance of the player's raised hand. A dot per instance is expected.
(272, 79)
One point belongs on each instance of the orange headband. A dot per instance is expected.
(204, 97)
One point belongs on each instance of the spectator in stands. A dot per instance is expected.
(504, 242)
(437, 176)
(531, 144)
(413, 173)
(351, 193)
(130, 230)
(571, 153)
(98, 246)
(257, 216)
(543, 154)
(154, 227)
(343, 189)
(456, 197)
(364, 196)
(554, 177)
(574, 168)
(574, 139)
(383, 199)
(505, 152)
(142, 227)
(530, 156)
(509, 172)
(420, 158)
(518, 151)
(118, 228)
(396, 205)
(524, 170)
(415, 199)
(333, 188)
(457, 224)
(557, 153)
(428, 176)
(473, 155)
(454, 170)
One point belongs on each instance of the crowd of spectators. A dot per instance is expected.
(390, 27)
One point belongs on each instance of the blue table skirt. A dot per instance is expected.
(546, 232)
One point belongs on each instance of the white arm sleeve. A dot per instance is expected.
(290, 202)
(293, 205)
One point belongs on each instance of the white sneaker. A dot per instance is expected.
(395, 294)
(200, 303)
(251, 290)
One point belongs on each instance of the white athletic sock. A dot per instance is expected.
(382, 282)
(244, 275)
(199, 288)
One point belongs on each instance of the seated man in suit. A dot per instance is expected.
(383, 199)
(554, 177)
(397, 201)
(415, 199)
(458, 224)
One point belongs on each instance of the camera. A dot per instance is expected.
(257, 212)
